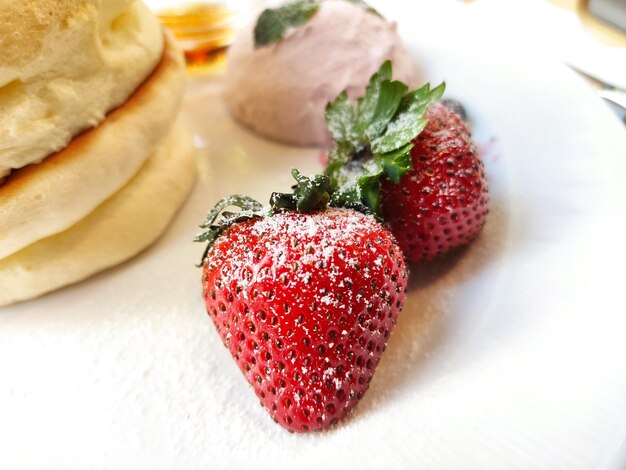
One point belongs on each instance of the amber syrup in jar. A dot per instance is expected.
(204, 31)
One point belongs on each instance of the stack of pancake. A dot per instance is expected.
(93, 162)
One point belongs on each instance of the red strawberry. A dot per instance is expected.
(441, 203)
(409, 160)
(305, 302)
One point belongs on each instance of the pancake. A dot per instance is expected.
(118, 229)
(40, 200)
(63, 65)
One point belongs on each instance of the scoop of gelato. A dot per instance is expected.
(281, 90)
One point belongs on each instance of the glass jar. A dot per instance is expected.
(205, 29)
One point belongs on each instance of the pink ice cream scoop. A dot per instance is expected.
(281, 90)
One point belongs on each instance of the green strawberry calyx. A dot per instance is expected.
(309, 194)
(274, 23)
(373, 138)
(219, 219)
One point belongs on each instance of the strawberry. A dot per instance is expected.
(305, 298)
(405, 157)
(441, 203)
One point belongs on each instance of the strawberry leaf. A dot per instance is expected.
(396, 164)
(341, 121)
(368, 102)
(408, 122)
(309, 194)
(218, 219)
(389, 99)
(273, 23)
(369, 190)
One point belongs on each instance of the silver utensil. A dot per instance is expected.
(616, 97)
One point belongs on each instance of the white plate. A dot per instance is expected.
(511, 355)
